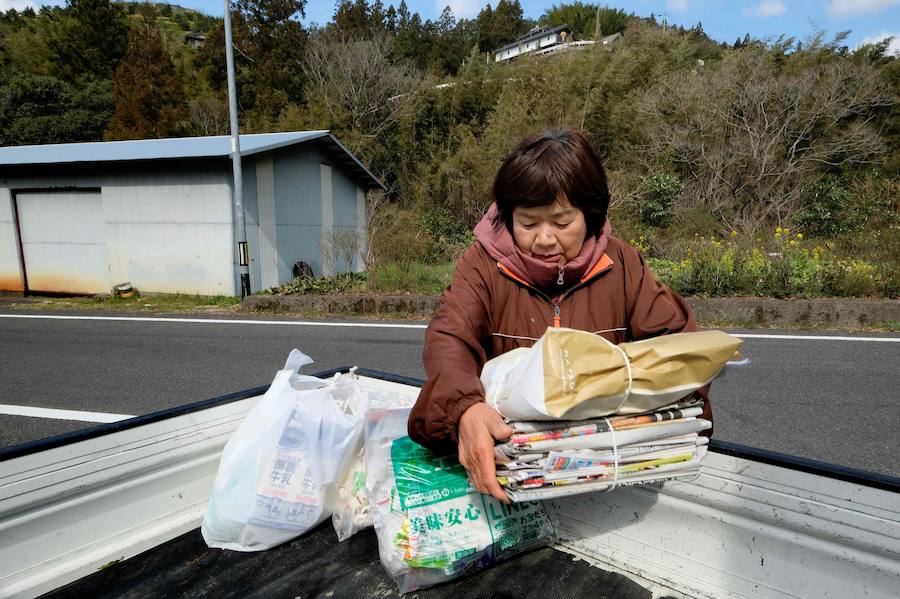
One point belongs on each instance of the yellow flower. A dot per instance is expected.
(799, 235)
(777, 231)
(787, 231)
(734, 233)
(792, 242)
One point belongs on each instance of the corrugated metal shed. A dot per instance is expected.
(183, 148)
(82, 217)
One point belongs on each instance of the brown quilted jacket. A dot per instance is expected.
(487, 311)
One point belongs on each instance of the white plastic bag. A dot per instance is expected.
(431, 528)
(352, 512)
(279, 472)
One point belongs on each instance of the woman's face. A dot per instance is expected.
(552, 233)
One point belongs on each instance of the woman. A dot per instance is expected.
(543, 256)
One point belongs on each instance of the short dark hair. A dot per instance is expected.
(547, 166)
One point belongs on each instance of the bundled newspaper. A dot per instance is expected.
(589, 415)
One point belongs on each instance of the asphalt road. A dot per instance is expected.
(834, 400)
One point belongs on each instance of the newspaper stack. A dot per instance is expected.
(546, 459)
(589, 415)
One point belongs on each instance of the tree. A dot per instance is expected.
(752, 135)
(485, 24)
(89, 40)
(149, 96)
(584, 19)
(269, 42)
(358, 85)
(508, 22)
(39, 109)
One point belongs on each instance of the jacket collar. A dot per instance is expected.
(604, 264)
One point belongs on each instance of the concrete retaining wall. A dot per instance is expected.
(821, 312)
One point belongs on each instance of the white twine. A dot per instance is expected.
(628, 369)
(615, 448)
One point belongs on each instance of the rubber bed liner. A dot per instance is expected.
(316, 565)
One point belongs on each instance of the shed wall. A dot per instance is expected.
(298, 209)
(10, 268)
(346, 230)
(168, 227)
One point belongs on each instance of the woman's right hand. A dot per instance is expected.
(479, 427)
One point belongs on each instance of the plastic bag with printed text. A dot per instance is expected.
(431, 527)
(353, 512)
(279, 471)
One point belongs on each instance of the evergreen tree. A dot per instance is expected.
(40, 109)
(269, 42)
(509, 22)
(485, 21)
(89, 40)
(149, 96)
(584, 19)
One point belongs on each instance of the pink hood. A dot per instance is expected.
(499, 244)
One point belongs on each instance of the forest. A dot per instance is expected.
(758, 167)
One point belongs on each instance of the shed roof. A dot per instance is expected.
(184, 148)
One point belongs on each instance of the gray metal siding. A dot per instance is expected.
(10, 269)
(251, 220)
(168, 224)
(298, 212)
(346, 233)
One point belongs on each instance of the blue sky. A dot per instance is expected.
(724, 20)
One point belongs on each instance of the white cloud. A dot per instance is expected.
(855, 8)
(767, 8)
(893, 47)
(462, 9)
(677, 5)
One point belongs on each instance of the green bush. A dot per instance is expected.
(824, 211)
(785, 266)
(658, 194)
(344, 282)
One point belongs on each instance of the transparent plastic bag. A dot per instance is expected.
(430, 527)
(279, 471)
(352, 512)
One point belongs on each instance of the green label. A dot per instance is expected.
(424, 478)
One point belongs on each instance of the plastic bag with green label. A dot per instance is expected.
(431, 527)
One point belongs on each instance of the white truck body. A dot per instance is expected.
(745, 527)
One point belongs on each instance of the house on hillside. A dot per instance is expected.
(195, 40)
(83, 217)
(538, 38)
(546, 41)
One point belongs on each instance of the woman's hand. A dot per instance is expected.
(479, 426)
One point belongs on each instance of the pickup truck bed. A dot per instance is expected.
(113, 511)
(316, 565)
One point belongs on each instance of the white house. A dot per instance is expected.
(538, 38)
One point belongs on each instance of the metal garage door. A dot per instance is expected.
(63, 241)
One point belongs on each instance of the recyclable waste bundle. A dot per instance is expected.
(589, 415)
(279, 473)
(431, 525)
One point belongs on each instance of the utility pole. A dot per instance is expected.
(238, 190)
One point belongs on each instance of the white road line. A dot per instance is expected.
(388, 325)
(816, 337)
(32, 412)
(302, 323)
